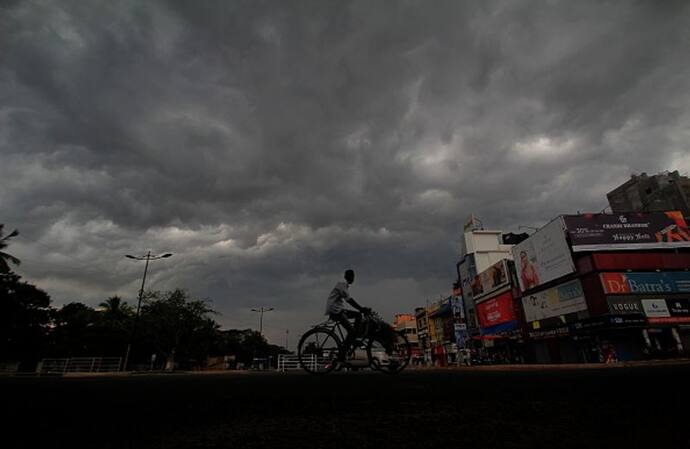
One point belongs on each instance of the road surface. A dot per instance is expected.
(609, 408)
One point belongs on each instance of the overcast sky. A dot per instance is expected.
(271, 145)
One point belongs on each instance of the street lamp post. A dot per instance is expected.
(261, 317)
(148, 257)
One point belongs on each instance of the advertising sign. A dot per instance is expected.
(490, 280)
(677, 311)
(543, 257)
(678, 307)
(496, 310)
(655, 308)
(560, 300)
(597, 232)
(623, 305)
(661, 282)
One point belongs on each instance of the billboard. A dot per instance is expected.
(597, 232)
(497, 310)
(560, 300)
(543, 257)
(490, 280)
(645, 283)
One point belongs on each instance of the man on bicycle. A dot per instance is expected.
(335, 309)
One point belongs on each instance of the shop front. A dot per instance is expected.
(662, 299)
(610, 337)
(549, 316)
(501, 335)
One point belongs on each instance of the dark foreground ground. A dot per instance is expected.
(623, 407)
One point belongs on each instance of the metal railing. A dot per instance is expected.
(80, 365)
(288, 361)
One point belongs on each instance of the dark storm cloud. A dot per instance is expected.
(272, 144)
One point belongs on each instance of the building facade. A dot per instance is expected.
(661, 192)
(602, 287)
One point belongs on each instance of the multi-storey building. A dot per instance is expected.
(407, 324)
(422, 320)
(657, 193)
(600, 287)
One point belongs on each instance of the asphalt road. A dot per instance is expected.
(610, 408)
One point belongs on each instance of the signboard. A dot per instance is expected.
(626, 320)
(597, 232)
(661, 282)
(549, 333)
(490, 280)
(496, 310)
(655, 308)
(560, 300)
(543, 257)
(624, 305)
(678, 307)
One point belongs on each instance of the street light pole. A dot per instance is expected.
(261, 317)
(148, 257)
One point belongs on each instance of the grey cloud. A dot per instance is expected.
(200, 127)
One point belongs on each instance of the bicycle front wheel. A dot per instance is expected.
(389, 355)
(318, 351)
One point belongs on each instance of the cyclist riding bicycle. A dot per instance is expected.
(336, 311)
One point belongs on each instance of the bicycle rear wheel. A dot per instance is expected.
(389, 355)
(318, 351)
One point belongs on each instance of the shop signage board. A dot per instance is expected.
(670, 311)
(655, 308)
(488, 281)
(624, 305)
(626, 320)
(496, 310)
(549, 333)
(543, 257)
(601, 232)
(678, 307)
(661, 282)
(560, 300)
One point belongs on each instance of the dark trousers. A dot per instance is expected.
(344, 319)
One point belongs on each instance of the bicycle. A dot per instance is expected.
(321, 350)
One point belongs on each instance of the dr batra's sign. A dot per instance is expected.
(663, 282)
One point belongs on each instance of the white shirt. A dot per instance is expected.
(336, 300)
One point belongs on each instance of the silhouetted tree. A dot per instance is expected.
(178, 327)
(5, 258)
(245, 344)
(24, 319)
(73, 331)
(115, 309)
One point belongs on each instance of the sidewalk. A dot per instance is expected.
(559, 367)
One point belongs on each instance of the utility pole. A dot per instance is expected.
(261, 311)
(287, 331)
(148, 257)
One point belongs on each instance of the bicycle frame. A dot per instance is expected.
(337, 328)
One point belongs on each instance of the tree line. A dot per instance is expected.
(172, 329)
